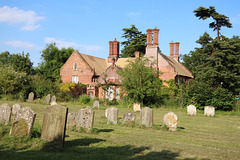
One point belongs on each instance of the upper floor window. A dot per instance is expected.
(74, 66)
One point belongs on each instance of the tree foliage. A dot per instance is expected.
(220, 20)
(135, 41)
(142, 84)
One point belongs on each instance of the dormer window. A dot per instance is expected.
(74, 66)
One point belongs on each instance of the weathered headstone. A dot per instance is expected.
(28, 115)
(112, 115)
(38, 100)
(129, 118)
(136, 107)
(146, 117)
(85, 118)
(191, 110)
(71, 120)
(19, 128)
(170, 119)
(209, 111)
(54, 124)
(53, 99)
(31, 97)
(96, 104)
(106, 112)
(5, 113)
(53, 103)
(16, 108)
(47, 99)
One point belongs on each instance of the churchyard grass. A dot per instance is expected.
(197, 137)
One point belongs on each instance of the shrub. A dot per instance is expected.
(84, 99)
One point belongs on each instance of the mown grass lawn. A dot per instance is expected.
(198, 137)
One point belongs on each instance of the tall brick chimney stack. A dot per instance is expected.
(176, 45)
(113, 50)
(149, 37)
(155, 37)
(171, 44)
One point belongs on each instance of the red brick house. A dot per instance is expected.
(86, 69)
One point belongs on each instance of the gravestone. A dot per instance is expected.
(85, 118)
(146, 117)
(19, 129)
(191, 110)
(31, 97)
(16, 108)
(54, 124)
(47, 99)
(53, 99)
(112, 115)
(5, 113)
(28, 115)
(170, 119)
(71, 120)
(53, 103)
(96, 104)
(129, 118)
(209, 111)
(106, 112)
(136, 107)
(38, 100)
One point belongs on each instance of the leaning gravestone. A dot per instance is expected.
(85, 118)
(31, 97)
(19, 128)
(16, 108)
(209, 111)
(96, 104)
(71, 120)
(129, 118)
(171, 121)
(47, 99)
(112, 115)
(146, 117)
(54, 124)
(28, 115)
(191, 110)
(5, 113)
(136, 107)
(53, 99)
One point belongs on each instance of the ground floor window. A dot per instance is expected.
(109, 93)
(117, 93)
(75, 79)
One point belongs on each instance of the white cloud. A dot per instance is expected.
(134, 14)
(22, 44)
(17, 16)
(81, 47)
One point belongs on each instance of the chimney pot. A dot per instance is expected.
(171, 44)
(176, 46)
(149, 37)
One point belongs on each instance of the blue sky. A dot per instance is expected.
(88, 25)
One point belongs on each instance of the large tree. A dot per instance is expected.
(220, 20)
(135, 41)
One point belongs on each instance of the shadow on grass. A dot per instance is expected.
(105, 130)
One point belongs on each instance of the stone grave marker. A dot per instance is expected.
(54, 99)
(5, 113)
(54, 124)
(38, 100)
(191, 110)
(209, 111)
(106, 112)
(96, 104)
(19, 128)
(47, 99)
(53, 103)
(85, 118)
(146, 117)
(112, 115)
(129, 118)
(31, 97)
(136, 107)
(28, 115)
(71, 120)
(170, 119)
(16, 108)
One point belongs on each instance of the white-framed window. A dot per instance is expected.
(109, 93)
(117, 93)
(75, 79)
(74, 66)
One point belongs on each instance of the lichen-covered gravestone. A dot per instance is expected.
(5, 113)
(146, 117)
(53, 103)
(19, 128)
(96, 104)
(209, 111)
(191, 110)
(16, 108)
(85, 118)
(53, 99)
(71, 120)
(129, 118)
(112, 115)
(26, 114)
(170, 119)
(136, 107)
(31, 97)
(47, 99)
(54, 124)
